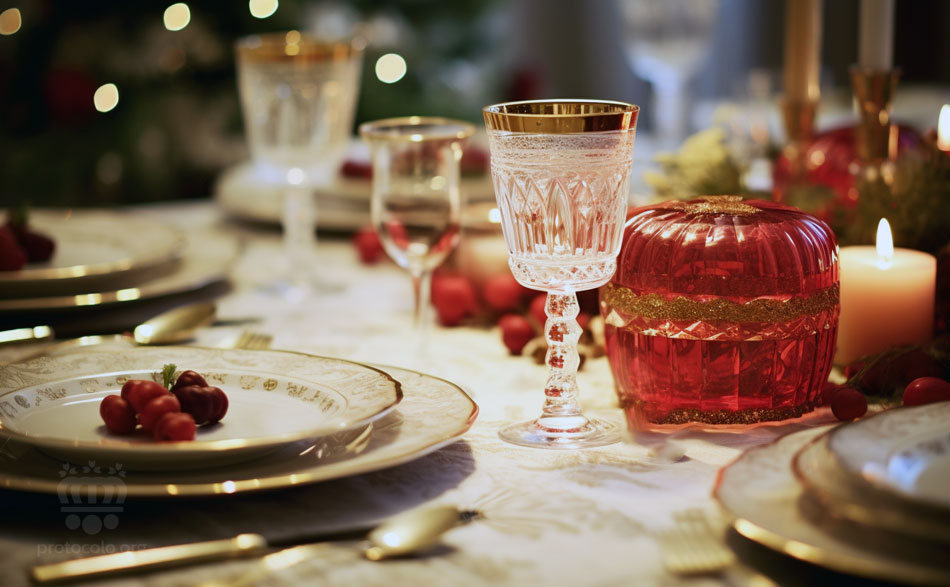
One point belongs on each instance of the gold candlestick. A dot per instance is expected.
(799, 117)
(873, 93)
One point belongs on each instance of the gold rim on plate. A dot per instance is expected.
(561, 116)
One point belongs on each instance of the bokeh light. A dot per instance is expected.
(10, 21)
(262, 8)
(177, 16)
(106, 97)
(390, 68)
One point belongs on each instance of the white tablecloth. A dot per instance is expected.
(550, 517)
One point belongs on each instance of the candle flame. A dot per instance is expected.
(885, 241)
(943, 129)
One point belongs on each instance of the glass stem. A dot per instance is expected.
(299, 224)
(421, 285)
(561, 409)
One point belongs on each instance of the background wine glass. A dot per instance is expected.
(298, 95)
(561, 171)
(416, 202)
(667, 42)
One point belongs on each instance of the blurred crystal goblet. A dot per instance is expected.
(561, 171)
(416, 202)
(298, 95)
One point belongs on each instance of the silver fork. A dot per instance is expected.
(693, 546)
(253, 341)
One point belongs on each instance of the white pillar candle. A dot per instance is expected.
(943, 129)
(876, 34)
(887, 298)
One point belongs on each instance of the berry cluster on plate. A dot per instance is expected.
(166, 412)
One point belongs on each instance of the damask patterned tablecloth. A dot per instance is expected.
(549, 517)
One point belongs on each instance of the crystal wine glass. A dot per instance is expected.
(298, 94)
(561, 170)
(416, 203)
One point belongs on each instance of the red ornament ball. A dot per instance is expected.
(848, 404)
(454, 299)
(368, 245)
(503, 293)
(516, 331)
(926, 390)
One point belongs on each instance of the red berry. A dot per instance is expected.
(175, 426)
(221, 400)
(187, 379)
(848, 403)
(12, 256)
(155, 409)
(38, 247)
(138, 392)
(503, 293)
(474, 161)
(926, 390)
(117, 414)
(516, 331)
(368, 245)
(536, 309)
(454, 299)
(205, 404)
(828, 391)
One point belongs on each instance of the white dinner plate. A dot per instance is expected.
(433, 413)
(849, 498)
(765, 501)
(206, 258)
(52, 403)
(903, 451)
(93, 249)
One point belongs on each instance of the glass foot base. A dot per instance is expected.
(594, 433)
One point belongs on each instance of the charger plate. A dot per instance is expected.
(767, 505)
(432, 414)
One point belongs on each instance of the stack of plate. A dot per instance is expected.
(293, 419)
(870, 498)
(105, 257)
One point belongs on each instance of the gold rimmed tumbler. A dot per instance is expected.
(298, 95)
(416, 202)
(561, 172)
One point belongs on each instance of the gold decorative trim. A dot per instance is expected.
(657, 307)
(716, 205)
(561, 116)
(296, 47)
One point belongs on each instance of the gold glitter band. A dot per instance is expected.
(656, 307)
(716, 205)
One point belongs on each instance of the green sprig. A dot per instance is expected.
(168, 375)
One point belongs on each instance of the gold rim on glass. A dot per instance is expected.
(561, 116)
(297, 47)
(416, 129)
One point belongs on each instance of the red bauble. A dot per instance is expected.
(454, 298)
(516, 331)
(831, 160)
(503, 293)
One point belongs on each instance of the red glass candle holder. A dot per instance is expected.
(721, 311)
